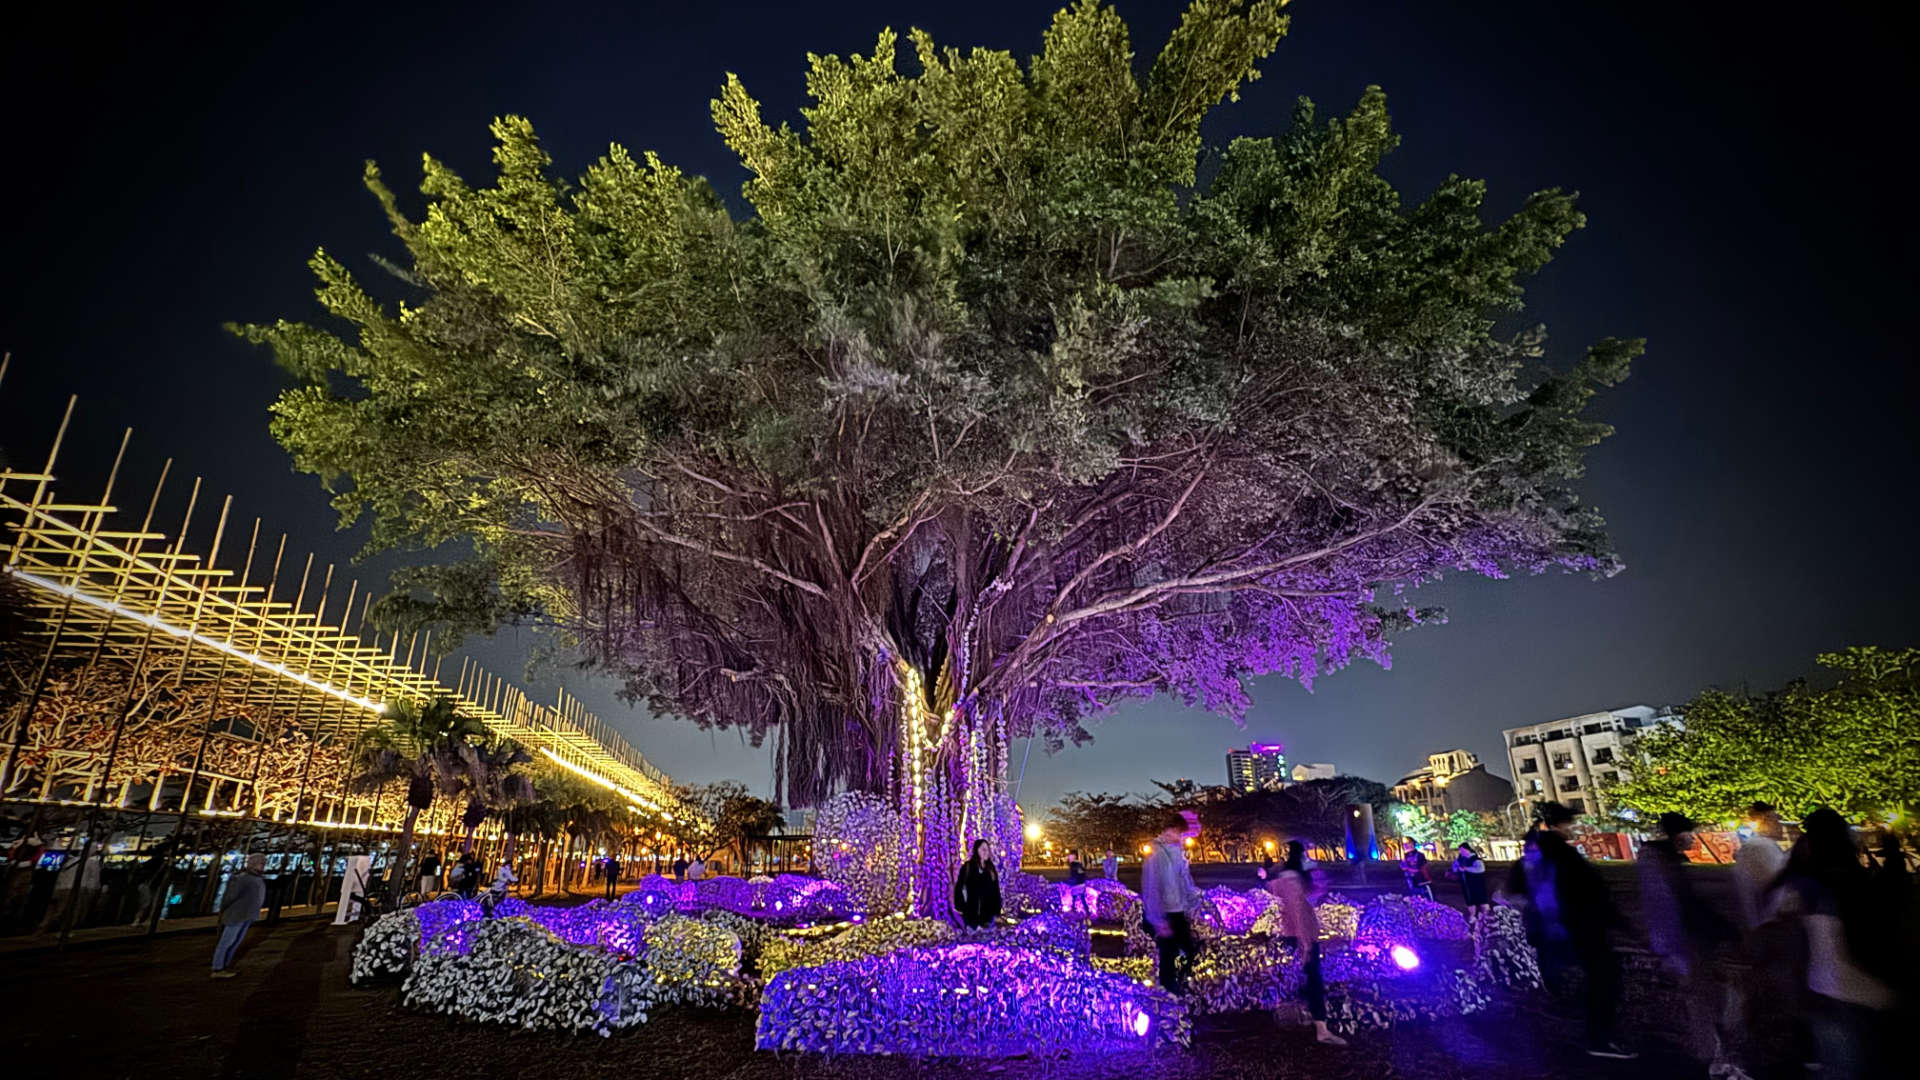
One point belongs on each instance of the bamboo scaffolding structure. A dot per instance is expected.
(140, 598)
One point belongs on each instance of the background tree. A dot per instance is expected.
(990, 417)
(1413, 823)
(1092, 823)
(1463, 827)
(424, 747)
(1853, 746)
(745, 820)
(697, 829)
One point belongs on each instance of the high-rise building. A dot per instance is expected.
(1260, 765)
(1565, 761)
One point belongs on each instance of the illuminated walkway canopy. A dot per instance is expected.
(267, 635)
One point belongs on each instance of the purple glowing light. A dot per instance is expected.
(1404, 958)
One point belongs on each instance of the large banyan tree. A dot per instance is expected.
(989, 414)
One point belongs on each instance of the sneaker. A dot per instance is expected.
(1612, 1050)
(226, 973)
(1330, 1039)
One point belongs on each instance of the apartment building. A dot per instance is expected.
(1453, 780)
(1565, 761)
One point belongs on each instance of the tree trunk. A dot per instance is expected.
(396, 874)
(948, 783)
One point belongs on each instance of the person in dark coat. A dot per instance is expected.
(976, 892)
(1577, 919)
(1687, 934)
(1076, 873)
(246, 894)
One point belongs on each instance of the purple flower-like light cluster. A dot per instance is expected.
(1237, 910)
(1391, 919)
(968, 999)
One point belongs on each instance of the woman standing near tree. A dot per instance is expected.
(976, 892)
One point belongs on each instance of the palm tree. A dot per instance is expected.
(493, 784)
(425, 746)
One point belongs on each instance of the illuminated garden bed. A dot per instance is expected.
(898, 985)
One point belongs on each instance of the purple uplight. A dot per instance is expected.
(1141, 1022)
(1404, 958)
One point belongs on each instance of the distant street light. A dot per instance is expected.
(1033, 831)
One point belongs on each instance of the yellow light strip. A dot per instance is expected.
(629, 794)
(196, 637)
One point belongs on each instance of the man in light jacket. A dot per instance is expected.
(1166, 889)
(246, 895)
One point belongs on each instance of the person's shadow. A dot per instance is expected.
(273, 1022)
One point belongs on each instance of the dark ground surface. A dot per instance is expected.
(149, 1010)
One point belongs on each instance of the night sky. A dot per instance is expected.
(1747, 214)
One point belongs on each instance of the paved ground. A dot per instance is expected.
(149, 1010)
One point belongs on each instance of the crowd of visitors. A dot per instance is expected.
(1818, 946)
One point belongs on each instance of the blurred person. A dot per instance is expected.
(1847, 939)
(1577, 919)
(429, 875)
(246, 894)
(1110, 866)
(1758, 864)
(1686, 933)
(1472, 874)
(1413, 866)
(1295, 888)
(612, 873)
(1076, 873)
(1169, 897)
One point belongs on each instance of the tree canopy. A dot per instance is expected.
(991, 400)
(1853, 747)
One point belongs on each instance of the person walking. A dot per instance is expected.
(1757, 865)
(680, 868)
(246, 894)
(1110, 866)
(1770, 999)
(697, 869)
(1847, 940)
(976, 891)
(1472, 874)
(1294, 887)
(1686, 933)
(612, 871)
(468, 870)
(1076, 872)
(1265, 873)
(1167, 893)
(429, 875)
(1577, 921)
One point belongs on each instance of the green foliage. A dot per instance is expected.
(1463, 827)
(1413, 823)
(426, 745)
(1853, 747)
(986, 372)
